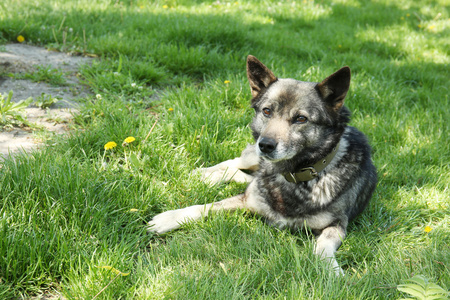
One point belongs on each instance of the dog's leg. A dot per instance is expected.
(224, 172)
(327, 244)
(230, 170)
(173, 219)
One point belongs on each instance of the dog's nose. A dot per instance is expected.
(267, 145)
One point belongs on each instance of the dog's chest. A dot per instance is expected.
(297, 200)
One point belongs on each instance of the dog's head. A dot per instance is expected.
(294, 116)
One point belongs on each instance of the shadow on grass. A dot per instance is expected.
(193, 46)
(211, 42)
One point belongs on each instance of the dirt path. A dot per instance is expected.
(21, 58)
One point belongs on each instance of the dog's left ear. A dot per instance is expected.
(334, 88)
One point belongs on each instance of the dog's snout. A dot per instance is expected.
(267, 145)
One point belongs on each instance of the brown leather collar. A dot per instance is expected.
(309, 173)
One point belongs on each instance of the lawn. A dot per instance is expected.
(171, 74)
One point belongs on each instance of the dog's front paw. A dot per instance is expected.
(210, 175)
(222, 173)
(173, 219)
(163, 222)
(339, 271)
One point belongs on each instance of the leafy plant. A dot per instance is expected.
(45, 100)
(44, 74)
(420, 288)
(11, 111)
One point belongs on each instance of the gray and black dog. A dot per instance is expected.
(310, 167)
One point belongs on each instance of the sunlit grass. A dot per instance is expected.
(171, 74)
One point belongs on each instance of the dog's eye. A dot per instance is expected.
(300, 120)
(267, 112)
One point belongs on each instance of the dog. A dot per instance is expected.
(309, 167)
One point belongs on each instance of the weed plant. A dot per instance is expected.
(11, 112)
(43, 74)
(171, 74)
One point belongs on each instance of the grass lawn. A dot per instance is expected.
(172, 75)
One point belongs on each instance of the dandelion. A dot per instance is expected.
(431, 27)
(110, 145)
(134, 210)
(165, 6)
(427, 229)
(408, 15)
(20, 39)
(170, 109)
(128, 140)
(226, 81)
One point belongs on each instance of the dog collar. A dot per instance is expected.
(309, 173)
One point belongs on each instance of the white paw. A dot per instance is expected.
(327, 254)
(173, 219)
(221, 174)
(211, 175)
(339, 272)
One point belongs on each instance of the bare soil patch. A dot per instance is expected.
(22, 58)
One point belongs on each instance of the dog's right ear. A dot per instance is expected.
(258, 75)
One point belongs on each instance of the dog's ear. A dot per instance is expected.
(334, 88)
(258, 75)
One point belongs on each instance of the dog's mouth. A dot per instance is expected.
(267, 156)
(273, 157)
(271, 150)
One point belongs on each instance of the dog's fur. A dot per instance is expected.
(296, 125)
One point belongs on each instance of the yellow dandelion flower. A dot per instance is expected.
(408, 15)
(170, 109)
(165, 6)
(226, 81)
(431, 27)
(402, 18)
(133, 210)
(428, 229)
(129, 139)
(20, 39)
(110, 145)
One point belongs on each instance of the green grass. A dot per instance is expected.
(73, 207)
(43, 74)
